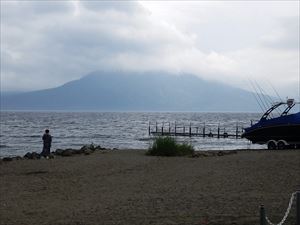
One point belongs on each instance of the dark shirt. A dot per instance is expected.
(47, 139)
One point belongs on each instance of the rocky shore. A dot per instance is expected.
(89, 149)
(94, 187)
(86, 150)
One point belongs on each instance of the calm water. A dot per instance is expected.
(21, 131)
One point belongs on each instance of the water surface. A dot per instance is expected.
(21, 132)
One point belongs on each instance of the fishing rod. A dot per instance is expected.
(268, 99)
(257, 96)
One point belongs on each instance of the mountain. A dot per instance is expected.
(151, 91)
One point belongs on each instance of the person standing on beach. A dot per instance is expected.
(47, 139)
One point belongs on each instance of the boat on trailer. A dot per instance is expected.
(279, 132)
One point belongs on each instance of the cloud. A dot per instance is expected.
(120, 6)
(63, 46)
(285, 36)
(45, 44)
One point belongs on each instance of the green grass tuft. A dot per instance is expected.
(167, 146)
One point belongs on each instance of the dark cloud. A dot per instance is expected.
(12, 11)
(47, 43)
(67, 43)
(122, 6)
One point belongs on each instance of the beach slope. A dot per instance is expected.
(128, 187)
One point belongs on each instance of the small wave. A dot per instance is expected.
(4, 146)
(34, 136)
(24, 136)
(146, 139)
(100, 136)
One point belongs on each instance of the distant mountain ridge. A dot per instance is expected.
(124, 91)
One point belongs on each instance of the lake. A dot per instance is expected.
(21, 132)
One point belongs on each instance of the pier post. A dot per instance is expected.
(203, 130)
(262, 215)
(175, 128)
(237, 131)
(298, 207)
(219, 131)
(149, 129)
(169, 128)
(162, 129)
(190, 130)
(156, 127)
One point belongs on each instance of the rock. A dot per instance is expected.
(214, 153)
(84, 147)
(195, 155)
(90, 147)
(79, 151)
(7, 159)
(17, 158)
(28, 155)
(206, 154)
(67, 152)
(220, 153)
(98, 147)
(32, 155)
(58, 152)
(88, 151)
(200, 154)
(35, 155)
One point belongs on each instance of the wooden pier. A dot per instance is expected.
(168, 129)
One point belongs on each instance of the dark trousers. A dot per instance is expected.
(46, 150)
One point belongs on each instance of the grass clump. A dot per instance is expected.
(167, 146)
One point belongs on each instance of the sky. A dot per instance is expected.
(45, 44)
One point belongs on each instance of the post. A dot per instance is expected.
(262, 215)
(175, 128)
(219, 131)
(156, 127)
(236, 131)
(183, 129)
(162, 129)
(298, 207)
(190, 131)
(149, 131)
(169, 128)
(204, 130)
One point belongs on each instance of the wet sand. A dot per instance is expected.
(128, 187)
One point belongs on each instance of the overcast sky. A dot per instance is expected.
(47, 43)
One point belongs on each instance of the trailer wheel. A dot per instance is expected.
(281, 145)
(272, 145)
(292, 146)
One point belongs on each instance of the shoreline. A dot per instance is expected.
(86, 151)
(128, 187)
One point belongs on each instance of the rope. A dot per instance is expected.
(287, 211)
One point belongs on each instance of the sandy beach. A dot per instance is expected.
(128, 187)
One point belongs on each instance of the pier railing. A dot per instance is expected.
(177, 129)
